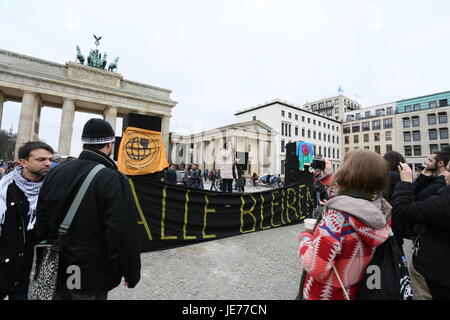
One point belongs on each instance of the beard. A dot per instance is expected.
(431, 168)
(41, 173)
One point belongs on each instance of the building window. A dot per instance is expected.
(282, 129)
(358, 116)
(309, 120)
(346, 150)
(431, 119)
(418, 150)
(443, 132)
(303, 132)
(416, 135)
(387, 123)
(408, 151)
(356, 138)
(320, 152)
(290, 115)
(303, 118)
(290, 130)
(415, 121)
(390, 111)
(355, 127)
(444, 146)
(416, 107)
(282, 145)
(433, 134)
(333, 139)
(356, 148)
(408, 108)
(406, 122)
(328, 126)
(376, 125)
(254, 118)
(282, 113)
(376, 136)
(329, 138)
(407, 136)
(388, 135)
(296, 117)
(434, 148)
(367, 114)
(443, 103)
(443, 117)
(309, 133)
(346, 140)
(366, 137)
(378, 149)
(337, 140)
(320, 136)
(346, 129)
(337, 154)
(432, 104)
(349, 118)
(296, 131)
(336, 110)
(366, 148)
(388, 147)
(366, 126)
(314, 135)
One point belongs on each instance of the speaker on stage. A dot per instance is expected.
(142, 121)
(291, 149)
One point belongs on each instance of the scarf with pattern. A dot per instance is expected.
(30, 189)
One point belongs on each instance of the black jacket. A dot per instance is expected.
(170, 176)
(16, 243)
(394, 177)
(433, 258)
(427, 186)
(103, 238)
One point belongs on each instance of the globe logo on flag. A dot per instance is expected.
(141, 149)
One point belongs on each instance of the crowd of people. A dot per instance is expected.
(370, 199)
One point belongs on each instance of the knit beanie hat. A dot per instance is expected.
(97, 131)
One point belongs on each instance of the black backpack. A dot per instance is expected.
(387, 276)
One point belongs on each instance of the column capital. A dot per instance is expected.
(68, 99)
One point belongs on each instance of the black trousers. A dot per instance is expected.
(438, 291)
(228, 185)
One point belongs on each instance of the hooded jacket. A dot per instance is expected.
(346, 238)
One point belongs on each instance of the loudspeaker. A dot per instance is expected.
(292, 173)
(291, 149)
(116, 148)
(142, 121)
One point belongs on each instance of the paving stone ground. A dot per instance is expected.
(258, 266)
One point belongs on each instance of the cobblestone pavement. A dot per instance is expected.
(256, 266)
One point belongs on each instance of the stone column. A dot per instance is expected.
(66, 129)
(2, 100)
(110, 115)
(26, 120)
(165, 128)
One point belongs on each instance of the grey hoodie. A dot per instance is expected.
(372, 213)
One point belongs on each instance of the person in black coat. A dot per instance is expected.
(19, 192)
(103, 237)
(431, 256)
(170, 175)
(432, 177)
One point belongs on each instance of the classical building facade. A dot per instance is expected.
(74, 87)
(294, 123)
(204, 148)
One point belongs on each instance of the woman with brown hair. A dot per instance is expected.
(335, 255)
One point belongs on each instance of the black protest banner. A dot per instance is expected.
(171, 216)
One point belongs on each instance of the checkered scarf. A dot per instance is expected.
(30, 189)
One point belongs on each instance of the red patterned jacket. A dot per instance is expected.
(346, 238)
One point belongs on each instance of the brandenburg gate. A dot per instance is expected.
(74, 87)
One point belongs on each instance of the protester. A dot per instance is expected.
(240, 181)
(195, 177)
(354, 224)
(393, 158)
(205, 174)
(432, 177)
(19, 192)
(254, 178)
(212, 178)
(431, 257)
(103, 239)
(170, 175)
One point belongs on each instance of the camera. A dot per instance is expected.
(318, 164)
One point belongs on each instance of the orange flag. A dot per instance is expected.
(141, 152)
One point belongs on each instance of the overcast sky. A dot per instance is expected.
(222, 56)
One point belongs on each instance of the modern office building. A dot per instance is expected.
(295, 123)
(333, 107)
